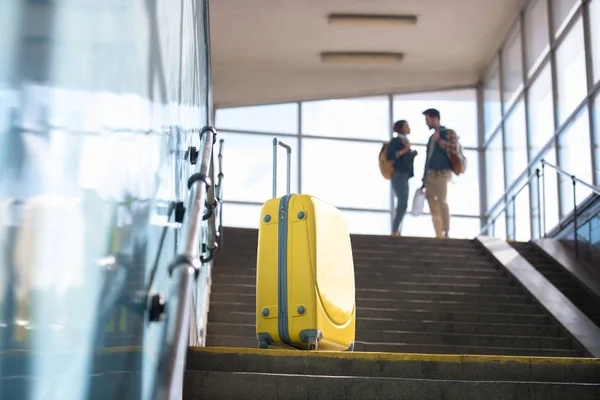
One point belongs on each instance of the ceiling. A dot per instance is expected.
(267, 51)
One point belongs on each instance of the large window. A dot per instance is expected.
(491, 98)
(561, 11)
(596, 144)
(512, 68)
(460, 227)
(536, 34)
(494, 160)
(541, 121)
(458, 109)
(361, 118)
(516, 144)
(277, 118)
(343, 173)
(248, 166)
(498, 226)
(334, 157)
(574, 161)
(463, 192)
(519, 217)
(241, 215)
(549, 196)
(570, 66)
(595, 37)
(367, 223)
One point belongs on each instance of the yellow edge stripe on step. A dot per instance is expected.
(372, 356)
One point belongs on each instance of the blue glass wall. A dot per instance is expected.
(99, 102)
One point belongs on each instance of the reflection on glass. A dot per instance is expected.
(516, 144)
(276, 118)
(241, 215)
(562, 11)
(491, 99)
(541, 121)
(595, 37)
(248, 166)
(570, 67)
(368, 223)
(536, 34)
(362, 118)
(550, 193)
(460, 227)
(463, 191)
(458, 109)
(494, 165)
(512, 68)
(576, 160)
(353, 180)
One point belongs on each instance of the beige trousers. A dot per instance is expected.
(436, 187)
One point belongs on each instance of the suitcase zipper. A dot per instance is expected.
(284, 334)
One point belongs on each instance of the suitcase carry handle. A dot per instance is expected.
(277, 142)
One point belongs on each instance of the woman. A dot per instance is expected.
(399, 151)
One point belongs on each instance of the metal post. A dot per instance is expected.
(544, 197)
(539, 202)
(575, 216)
(514, 218)
(494, 227)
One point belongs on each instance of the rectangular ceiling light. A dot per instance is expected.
(361, 57)
(371, 19)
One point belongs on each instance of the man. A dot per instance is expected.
(437, 174)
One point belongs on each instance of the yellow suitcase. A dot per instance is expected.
(305, 296)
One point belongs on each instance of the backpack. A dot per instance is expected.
(386, 166)
(455, 153)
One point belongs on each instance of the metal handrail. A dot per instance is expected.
(277, 142)
(183, 271)
(542, 201)
(219, 193)
(593, 188)
(492, 223)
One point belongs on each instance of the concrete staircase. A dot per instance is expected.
(414, 295)
(418, 301)
(562, 279)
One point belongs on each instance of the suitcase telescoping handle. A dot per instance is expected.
(288, 149)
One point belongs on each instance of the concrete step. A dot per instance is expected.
(401, 270)
(398, 293)
(416, 325)
(410, 314)
(441, 305)
(366, 261)
(249, 287)
(367, 277)
(250, 385)
(417, 366)
(414, 249)
(410, 337)
(456, 349)
(251, 342)
(249, 268)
